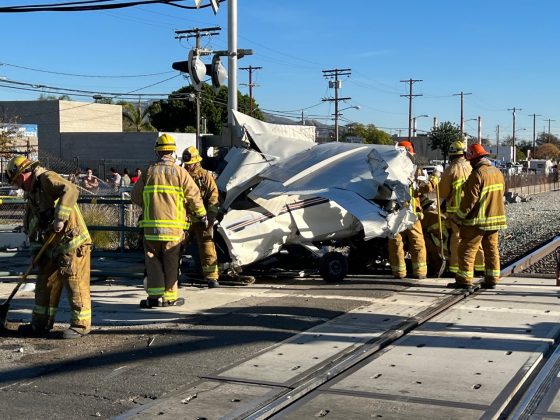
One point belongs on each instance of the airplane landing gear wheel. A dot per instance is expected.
(333, 267)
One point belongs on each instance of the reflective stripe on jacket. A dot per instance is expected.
(166, 192)
(482, 204)
(51, 198)
(452, 181)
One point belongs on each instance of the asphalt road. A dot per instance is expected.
(134, 356)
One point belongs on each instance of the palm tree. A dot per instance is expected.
(135, 118)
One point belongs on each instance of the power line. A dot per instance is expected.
(92, 5)
(84, 75)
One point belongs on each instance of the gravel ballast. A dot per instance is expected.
(530, 223)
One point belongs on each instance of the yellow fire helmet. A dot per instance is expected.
(18, 165)
(457, 148)
(191, 156)
(165, 143)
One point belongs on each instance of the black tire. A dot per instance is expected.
(333, 267)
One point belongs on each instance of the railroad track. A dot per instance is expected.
(346, 361)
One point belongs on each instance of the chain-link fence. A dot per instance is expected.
(108, 213)
(532, 183)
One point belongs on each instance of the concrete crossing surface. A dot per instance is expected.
(369, 347)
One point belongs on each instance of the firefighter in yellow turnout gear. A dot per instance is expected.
(204, 237)
(481, 215)
(451, 191)
(52, 209)
(414, 235)
(167, 193)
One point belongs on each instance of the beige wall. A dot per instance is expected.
(80, 117)
(55, 117)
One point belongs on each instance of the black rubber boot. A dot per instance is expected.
(150, 303)
(462, 286)
(176, 302)
(213, 283)
(29, 330)
(72, 333)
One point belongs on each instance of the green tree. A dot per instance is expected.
(547, 151)
(544, 138)
(443, 135)
(136, 117)
(370, 133)
(178, 112)
(46, 97)
(9, 135)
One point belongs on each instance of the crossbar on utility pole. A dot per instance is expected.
(330, 74)
(410, 96)
(250, 69)
(462, 123)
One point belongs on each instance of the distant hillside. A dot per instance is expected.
(274, 119)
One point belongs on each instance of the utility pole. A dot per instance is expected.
(462, 124)
(410, 96)
(514, 154)
(302, 119)
(197, 33)
(497, 141)
(435, 123)
(534, 133)
(549, 120)
(337, 84)
(479, 129)
(250, 69)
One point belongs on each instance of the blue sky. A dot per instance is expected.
(503, 52)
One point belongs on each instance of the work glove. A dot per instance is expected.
(58, 225)
(438, 170)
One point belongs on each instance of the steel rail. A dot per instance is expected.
(530, 259)
(348, 360)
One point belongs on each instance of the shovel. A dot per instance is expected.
(442, 253)
(5, 307)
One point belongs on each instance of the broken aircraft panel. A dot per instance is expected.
(312, 194)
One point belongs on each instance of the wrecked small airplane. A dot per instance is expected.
(283, 189)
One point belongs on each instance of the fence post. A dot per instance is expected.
(121, 223)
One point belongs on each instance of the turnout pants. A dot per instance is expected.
(71, 271)
(206, 250)
(471, 239)
(454, 242)
(162, 268)
(417, 249)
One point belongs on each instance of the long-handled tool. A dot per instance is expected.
(440, 232)
(5, 307)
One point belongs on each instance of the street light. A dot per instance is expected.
(414, 123)
(337, 115)
(513, 143)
